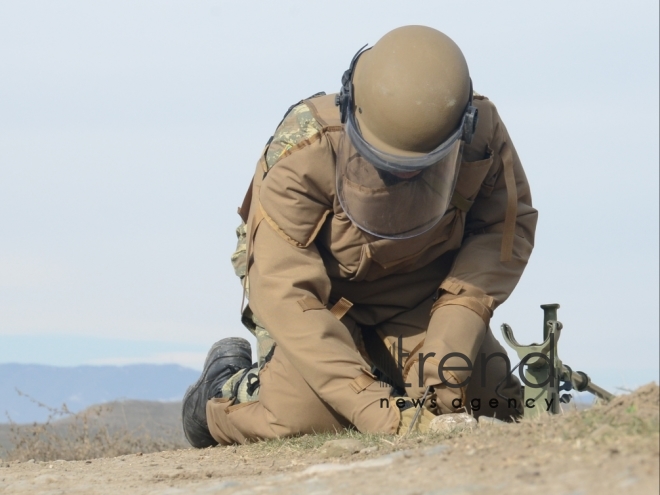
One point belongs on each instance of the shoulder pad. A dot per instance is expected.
(298, 126)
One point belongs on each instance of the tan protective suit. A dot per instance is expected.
(338, 301)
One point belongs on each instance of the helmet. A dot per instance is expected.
(407, 108)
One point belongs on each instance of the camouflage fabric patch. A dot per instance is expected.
(238, 386)
(264, 341)
(239, 258)
(264, 344)
(298, 126)
(245, 385)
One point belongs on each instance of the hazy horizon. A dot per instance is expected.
(129, 132)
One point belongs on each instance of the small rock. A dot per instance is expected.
(488, 421)
(337, 448)
(369, 450)
(628, 482)
(330, 468)
(451, 423)
(602, 431)
(30, 461)
(436, 450)
(45, 479)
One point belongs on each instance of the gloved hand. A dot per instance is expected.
(421, 424)
(452, 329)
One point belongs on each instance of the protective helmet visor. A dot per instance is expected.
(390, 196)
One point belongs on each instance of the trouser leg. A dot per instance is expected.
(287, 406)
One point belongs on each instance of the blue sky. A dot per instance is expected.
(129, 133)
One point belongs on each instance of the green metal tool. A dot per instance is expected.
(545, 374)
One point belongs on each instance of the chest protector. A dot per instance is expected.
(294, 191)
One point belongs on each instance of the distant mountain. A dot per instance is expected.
(81, 386)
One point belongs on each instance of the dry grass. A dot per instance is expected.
(311, 443)
(86, 435)
(630, 419)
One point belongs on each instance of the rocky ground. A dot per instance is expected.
(607, 449)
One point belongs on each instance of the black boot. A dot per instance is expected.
(225, 358)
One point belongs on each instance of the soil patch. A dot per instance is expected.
(606, 449)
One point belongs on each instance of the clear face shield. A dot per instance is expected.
(390, 196)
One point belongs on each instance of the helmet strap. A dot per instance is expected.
(345, 97)
(470, 118)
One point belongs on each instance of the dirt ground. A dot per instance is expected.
(611, 448)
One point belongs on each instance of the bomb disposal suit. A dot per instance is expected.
(384, 225)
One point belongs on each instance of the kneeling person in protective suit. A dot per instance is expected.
(382, 228)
